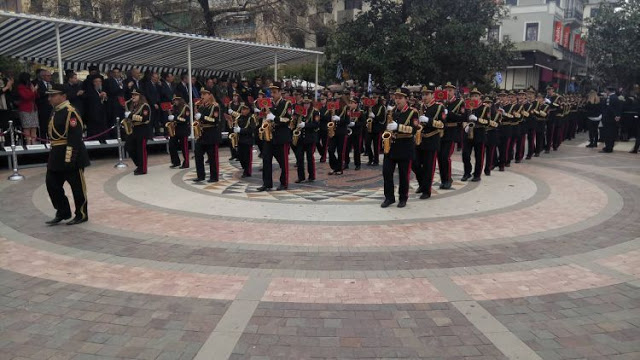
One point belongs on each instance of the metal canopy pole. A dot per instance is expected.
(315, 87)
(275, 67)
(59, 51)
(193, 138)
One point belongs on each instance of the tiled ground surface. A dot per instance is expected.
(548, 272)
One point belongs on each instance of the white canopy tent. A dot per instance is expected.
(64, 42)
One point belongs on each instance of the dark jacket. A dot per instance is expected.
(67, 148)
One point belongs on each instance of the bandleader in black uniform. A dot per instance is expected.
(179, 119)
(139, 115)
(403, 126)
(67, 159)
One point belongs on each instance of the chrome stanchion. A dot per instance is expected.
(120, 164)
(14, 157)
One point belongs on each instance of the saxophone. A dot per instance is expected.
(127, 125)
(233, 137)
(331, 126)
(387, 136)
(265, 132)
(296, 131)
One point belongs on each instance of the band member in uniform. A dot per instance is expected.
(356, 124)
(234, 105)
(278, 118)
(179, 120)
(451, 135)
(208, 117)
(492, 134)
(531, 123)
(378, 116)
(307, 137)
(553, 121)
(540, 112)
(475, 138)
(506, 129)
(259, 118)
(245, 127)
(519, 129)
(338, 142)
(432, 116)
(323, 139)
(67, 159)
(403, 122)
(139, 115)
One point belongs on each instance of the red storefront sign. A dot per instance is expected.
(557, 32)
(566, 36)
(576, 43)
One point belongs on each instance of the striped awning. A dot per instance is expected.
(82, 44)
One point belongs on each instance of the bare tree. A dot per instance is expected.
(36, 6)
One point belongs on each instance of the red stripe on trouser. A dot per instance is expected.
(286, 164)
(453, 148)
(250, 165)
(185, 152)
(406, 194)
(144, 156)
(433, 170)
(344, 151)
(313, 161)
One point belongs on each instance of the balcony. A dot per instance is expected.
(573, 17)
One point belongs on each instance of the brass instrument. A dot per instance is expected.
(387, 136)
(233, 137)
(127, 125)
(171, 128)
(418, 136)
(471, 126)
(265, 131)
(197, 130)
(331, 129)
(369, 125)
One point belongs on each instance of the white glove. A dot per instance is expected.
(389, 108)
(127, 113)
(171, 117)
(301, 125)
(446, 111)
(423, 119)
(230, 111)
(351, 124)
(256, 110)
(198, 116)
(466, 129)
(371, 114)
(236, 129)
(473, 118)
(271, 117)
(547, 101)
(335, 118)
(392, 126)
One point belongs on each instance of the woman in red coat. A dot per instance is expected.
(27, 93)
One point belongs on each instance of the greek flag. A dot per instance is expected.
(370, 85)
(339, 70)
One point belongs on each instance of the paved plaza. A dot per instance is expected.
(539, 262)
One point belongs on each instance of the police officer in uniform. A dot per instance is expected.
(245, 128)
(279, 117)
(180, 120)
(208, 117)
(139, 114)
(432, 117)
(308, 125)
(475, 138)
(451, 135)
(67, 159)
(404, 124)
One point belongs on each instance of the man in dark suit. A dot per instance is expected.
(610, 117)
(182, 89)
(95, 108)
(74, 92)
(115, 89)
(43, 82)
(166, 96)
(151, 92)
(132, 83)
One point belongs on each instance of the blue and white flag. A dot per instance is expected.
(339, 70)
(370, 86)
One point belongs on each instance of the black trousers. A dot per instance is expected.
(491, 151)
(609, 133)
(540, 136)
(519, 145)
(137, 149)
(337, 150)
(558, 138)
(424, 167)
(281, 153)
(214, 162)
(245, 155)
(447, 147)
(504, 146)
(55, 187)
(306, 151)
(551, 132)
(531, 141)
(478, 150)
(323, 145)
(354, 142)
(404, 172)
(179, 143)
(373, 143)
(593, 131)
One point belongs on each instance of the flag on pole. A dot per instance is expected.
(370, 86)
(339, 70)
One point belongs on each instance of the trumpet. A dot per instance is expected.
(264, 133)
(387, 136)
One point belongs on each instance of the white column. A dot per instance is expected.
(193, 140)
(315, 86)
(275, 66)
(59, 51)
